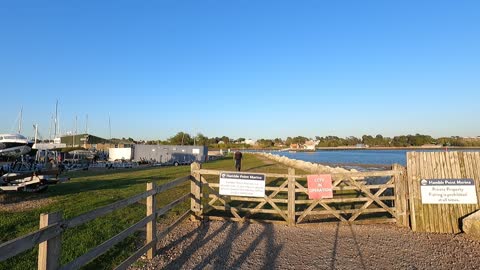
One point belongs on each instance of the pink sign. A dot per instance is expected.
(320, 186)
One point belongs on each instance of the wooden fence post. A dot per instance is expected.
(49, 251)
(401, 196)
(291, 197)
(151, 226)
(196, 190)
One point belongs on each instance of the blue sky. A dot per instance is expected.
(259, 69)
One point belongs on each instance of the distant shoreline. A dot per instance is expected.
(400, 148)
(450, 148)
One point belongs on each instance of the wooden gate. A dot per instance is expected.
(358, 198)
(441, 218)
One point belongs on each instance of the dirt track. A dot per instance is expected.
(228, 245)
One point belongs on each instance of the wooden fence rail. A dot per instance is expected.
(48, 237)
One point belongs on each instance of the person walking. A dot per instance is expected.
(238, 160)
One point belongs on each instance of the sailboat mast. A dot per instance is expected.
(86, 125)
(56, 120)
(20, 121)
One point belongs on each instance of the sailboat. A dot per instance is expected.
(15, 144)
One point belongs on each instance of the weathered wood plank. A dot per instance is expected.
(309, 209)
(410, 176)
(215, 218)
(446, 173)
(346, 200)
(248, 210)
(102, 248)
(356, 222)
(291, 197)
(20, 244)
(151, 227)
(173, 183)
(196, 189)
(441, 209)
(84, 218)
(135, 256)
(267, 188)
(353, 174)
(370, 195)
(346, 211)
(279, 211)
(271, 196)
(250, 199)
(401, 196)
(233, 210)
(168, 207)
(369, 202)
(49, 251)
(345, 188)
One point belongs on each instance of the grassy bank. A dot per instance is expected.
(89, 190)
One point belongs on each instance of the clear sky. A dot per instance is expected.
(258, 69)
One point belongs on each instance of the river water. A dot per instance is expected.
(352, 157)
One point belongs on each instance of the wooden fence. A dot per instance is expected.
(48, 237)
(287, 199)
(441, 218)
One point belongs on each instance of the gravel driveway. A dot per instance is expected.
(230, 245)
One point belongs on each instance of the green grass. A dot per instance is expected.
(89, 190)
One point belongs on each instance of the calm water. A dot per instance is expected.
(384, 157)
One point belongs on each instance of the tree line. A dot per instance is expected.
(183, 138)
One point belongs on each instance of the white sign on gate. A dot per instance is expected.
(448, 191)
(242, 184)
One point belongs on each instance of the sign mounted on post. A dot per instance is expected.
(320, 186)
(448, 191)
(242, 184)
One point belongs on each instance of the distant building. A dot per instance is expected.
(170, 153)
(295, 146)
(250, 142)
(310, 145)
(89, 141)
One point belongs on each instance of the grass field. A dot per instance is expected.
(89, 190)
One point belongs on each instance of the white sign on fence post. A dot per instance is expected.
(448, 191)
(242, 184)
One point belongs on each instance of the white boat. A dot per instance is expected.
(14, 145)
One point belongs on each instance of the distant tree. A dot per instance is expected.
(225, 139)
(368, 140)
(265, 143)
(181, 138)
(201, 139)
(278, 141)
(298, 139)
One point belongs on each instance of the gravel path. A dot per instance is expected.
(229, 245)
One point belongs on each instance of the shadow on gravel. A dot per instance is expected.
(221, 256)
(333, 262)
(357, 247)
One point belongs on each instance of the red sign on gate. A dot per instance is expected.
(320, 186)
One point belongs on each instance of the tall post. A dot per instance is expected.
(401, 196)
(151, 226)
(291, 197)
(196, 190)
(49, 251)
